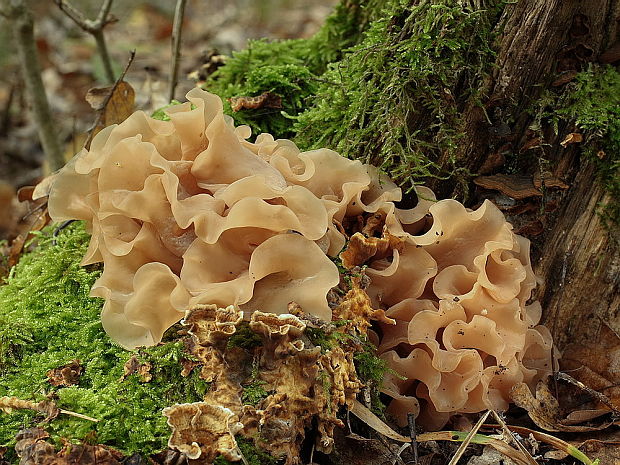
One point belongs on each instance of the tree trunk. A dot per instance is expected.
(575, 255)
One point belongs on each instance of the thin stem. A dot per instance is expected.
(103, 52)
(20, 20)
(78, 415)
(95, 28)
(177, 30)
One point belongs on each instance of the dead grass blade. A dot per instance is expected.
(461, 450)
(552, 441)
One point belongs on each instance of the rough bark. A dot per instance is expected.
(579, 260)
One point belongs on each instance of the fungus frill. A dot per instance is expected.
(188, 212)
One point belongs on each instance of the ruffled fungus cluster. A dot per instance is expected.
(189, 214)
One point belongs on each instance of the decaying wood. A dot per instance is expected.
(545, 44)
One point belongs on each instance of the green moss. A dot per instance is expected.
(276, 67)
(244, 337)
(395, 99)
(161, 114)
(253, 390)
(47, 319)
(252, 454)
(372, 370)
(592, 102)
(289, 68)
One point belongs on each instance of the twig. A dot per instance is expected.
(132, 55)
(412, 435)
(22, 25)
(177, 30)
(95, 28)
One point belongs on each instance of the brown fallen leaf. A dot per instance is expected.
(66, 375)
(114, 104)
(572, 138)
(530, 144)
(565, 78)
(544, 409)
(38, 222)
(533, 228)
(595, 364)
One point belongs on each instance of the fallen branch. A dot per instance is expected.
(95, 28)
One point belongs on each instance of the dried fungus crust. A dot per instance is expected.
(300, 384)
(205, 431)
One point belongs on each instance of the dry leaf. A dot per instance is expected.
(265, 100)
(66, 375)
(513, 185)
(572, 138)
(597, 364)
(544, 409)
(133, 366)
(113, 108)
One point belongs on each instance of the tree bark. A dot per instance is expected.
(576, 256)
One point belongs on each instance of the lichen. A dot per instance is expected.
(47, 319)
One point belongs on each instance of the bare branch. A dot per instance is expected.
(95, 28)
(177, 30)
(22, 26)
(102, 18)
(76, 15)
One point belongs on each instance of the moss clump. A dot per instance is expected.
(276, 67)
(592, 102)
(47, 319)
(252, 454)
(291, 69)
(395, 100)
